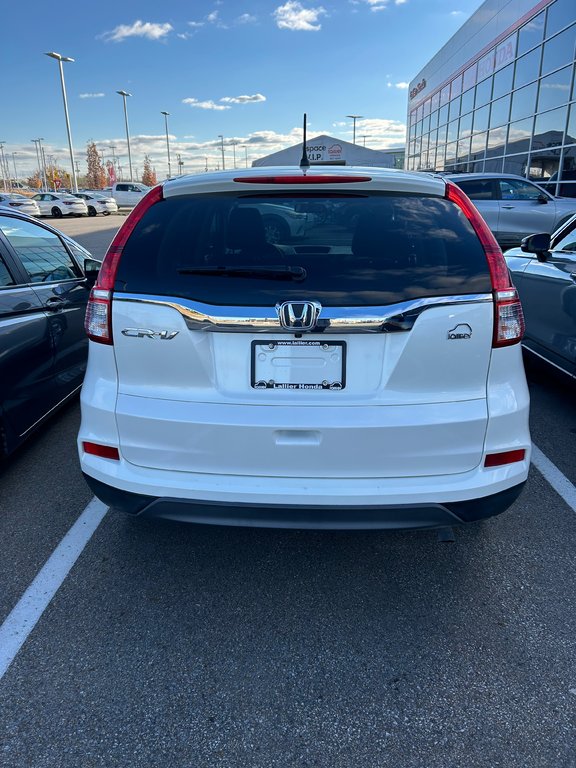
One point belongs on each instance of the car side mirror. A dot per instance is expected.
(538, 244)
(542, 199)
(91, 269)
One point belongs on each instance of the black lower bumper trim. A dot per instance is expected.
(316, 517)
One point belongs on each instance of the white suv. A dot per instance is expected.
(366, 373)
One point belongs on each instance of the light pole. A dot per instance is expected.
(41, 163)
(180, 164)
(34, 141)
(222, 148)
(234, 152)
(246, 156)
(61, 59)
(14, 163)
(124, 94)
(167, 142)
(354, 118)
(3, 166)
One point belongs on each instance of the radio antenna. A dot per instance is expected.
(304, 162)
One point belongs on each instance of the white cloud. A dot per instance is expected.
(400, 2)
(403, 86)
(195, 24)
(456, 13)
(377, 5)
(339, 124)
(213, 17)
(246, 18)
(91, 95)
(209, 104)
(292, 15)
(382, 133)
(145, 29)
(256, 97)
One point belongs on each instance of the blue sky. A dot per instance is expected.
(246, 69)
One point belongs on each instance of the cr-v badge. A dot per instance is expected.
(462, 331)
(146, 333)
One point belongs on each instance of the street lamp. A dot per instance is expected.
(3, 166)
(222, 147)
(14, 162)
(234, 152)
(246, 155)
(61, 59)
(354, 118)
(124, 94)
(41, 164)
(167, 142)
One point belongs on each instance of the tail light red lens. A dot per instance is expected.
(98, 322)
(104, 451)
(505, 457)
(508, 315)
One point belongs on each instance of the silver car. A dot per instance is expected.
(543, 270)
(512, 206)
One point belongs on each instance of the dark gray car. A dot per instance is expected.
(514, 207)
(546, 281)
(44, 287)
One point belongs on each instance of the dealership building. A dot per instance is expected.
(500, 96)
(327, 150)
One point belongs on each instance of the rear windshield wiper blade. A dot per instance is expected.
(273, 272)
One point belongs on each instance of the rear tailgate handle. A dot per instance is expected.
(54, 303)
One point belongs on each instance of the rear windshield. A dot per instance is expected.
(346, 250)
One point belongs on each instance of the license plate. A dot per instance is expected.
(298, 364)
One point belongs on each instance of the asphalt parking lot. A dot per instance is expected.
(194, 647)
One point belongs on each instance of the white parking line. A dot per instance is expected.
(28, 610)
(557, 480)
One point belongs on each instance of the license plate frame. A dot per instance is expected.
(328, 382)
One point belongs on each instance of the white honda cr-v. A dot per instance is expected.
(366, 373)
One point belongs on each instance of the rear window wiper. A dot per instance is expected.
(273, 272)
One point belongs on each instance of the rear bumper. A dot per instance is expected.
(317, 517)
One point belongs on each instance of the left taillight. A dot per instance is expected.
(98, 322)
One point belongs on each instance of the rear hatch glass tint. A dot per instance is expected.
(341, 250)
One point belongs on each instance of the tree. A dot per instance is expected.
(35, 181)
(148, 176)
(96, 176)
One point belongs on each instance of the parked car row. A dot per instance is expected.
(59, 204)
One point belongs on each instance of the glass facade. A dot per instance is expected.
(513, 110)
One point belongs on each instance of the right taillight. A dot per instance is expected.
(508, 315)
(98, 322)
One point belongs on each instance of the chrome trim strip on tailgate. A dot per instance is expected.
(383, 319)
